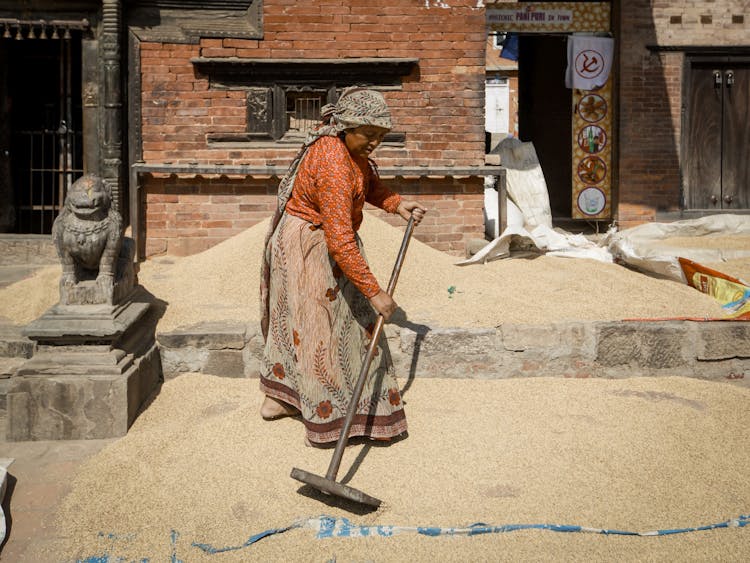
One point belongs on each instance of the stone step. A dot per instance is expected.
(13, 344)
(216, 348)
(27, 250)
(8, 367)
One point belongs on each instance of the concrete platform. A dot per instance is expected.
(25, 249)
(12, 274)
(22, 255)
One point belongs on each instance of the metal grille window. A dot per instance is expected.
(285, 113)
(303, 111)
(40, 124)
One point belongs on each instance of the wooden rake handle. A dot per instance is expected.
(338, 453)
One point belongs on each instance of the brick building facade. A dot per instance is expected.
(657, 43)
(187, 108)
(200, 176)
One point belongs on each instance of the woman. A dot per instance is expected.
(316, 284)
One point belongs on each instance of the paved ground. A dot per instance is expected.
(38, 478)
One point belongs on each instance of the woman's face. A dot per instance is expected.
(362, 140)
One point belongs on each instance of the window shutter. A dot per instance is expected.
(260, 109)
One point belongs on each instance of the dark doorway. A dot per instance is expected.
(544, 114)
(40, 82)
(717, 169)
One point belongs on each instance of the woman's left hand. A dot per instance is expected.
(408, 209)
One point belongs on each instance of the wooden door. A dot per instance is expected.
(702, 168)
(716, 167)
(735, 164)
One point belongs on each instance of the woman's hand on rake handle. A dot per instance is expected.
(383, 304)
(408, 209)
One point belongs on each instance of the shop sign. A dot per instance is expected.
(530, 15)
(547, 17)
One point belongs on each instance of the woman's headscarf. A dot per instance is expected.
(355, 107)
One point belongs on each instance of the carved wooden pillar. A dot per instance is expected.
(91, 118)
(112, 110)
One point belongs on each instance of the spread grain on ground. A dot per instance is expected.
(201, 467)
(222, 284)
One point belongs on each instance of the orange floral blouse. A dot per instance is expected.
(330, 191)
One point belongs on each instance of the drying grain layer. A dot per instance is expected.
(222, 284)
(25, 300)
(718, 242)
(200, 466)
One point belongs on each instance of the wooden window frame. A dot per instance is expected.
(267, 83)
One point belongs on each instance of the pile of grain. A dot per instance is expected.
(222, 284)
(716, 242)
(638, 454)
(736, 267)
(25, 300)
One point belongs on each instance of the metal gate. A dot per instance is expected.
(44, 85)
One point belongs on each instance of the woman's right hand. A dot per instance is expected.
(383, 304)
(411, 209)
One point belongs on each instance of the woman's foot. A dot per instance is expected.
(273, 409)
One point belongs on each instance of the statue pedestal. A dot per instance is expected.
(93, 368)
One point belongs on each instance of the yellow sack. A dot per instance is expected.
(733, 294)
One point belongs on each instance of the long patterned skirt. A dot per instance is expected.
(319, 330)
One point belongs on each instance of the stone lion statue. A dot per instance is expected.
(88, 235)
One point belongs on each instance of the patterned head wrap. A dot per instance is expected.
(356, 106)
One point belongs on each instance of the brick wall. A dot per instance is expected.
(650, 86)
(190, 215)
(440, 109)
(711, 22)
(455, 213)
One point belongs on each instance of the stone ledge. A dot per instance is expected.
(217, 348)
(210, 335)
(716, 350)
(13, 343)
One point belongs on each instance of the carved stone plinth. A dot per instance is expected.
(94, 367)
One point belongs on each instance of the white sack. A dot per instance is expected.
(641, 246)
(524, 181)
